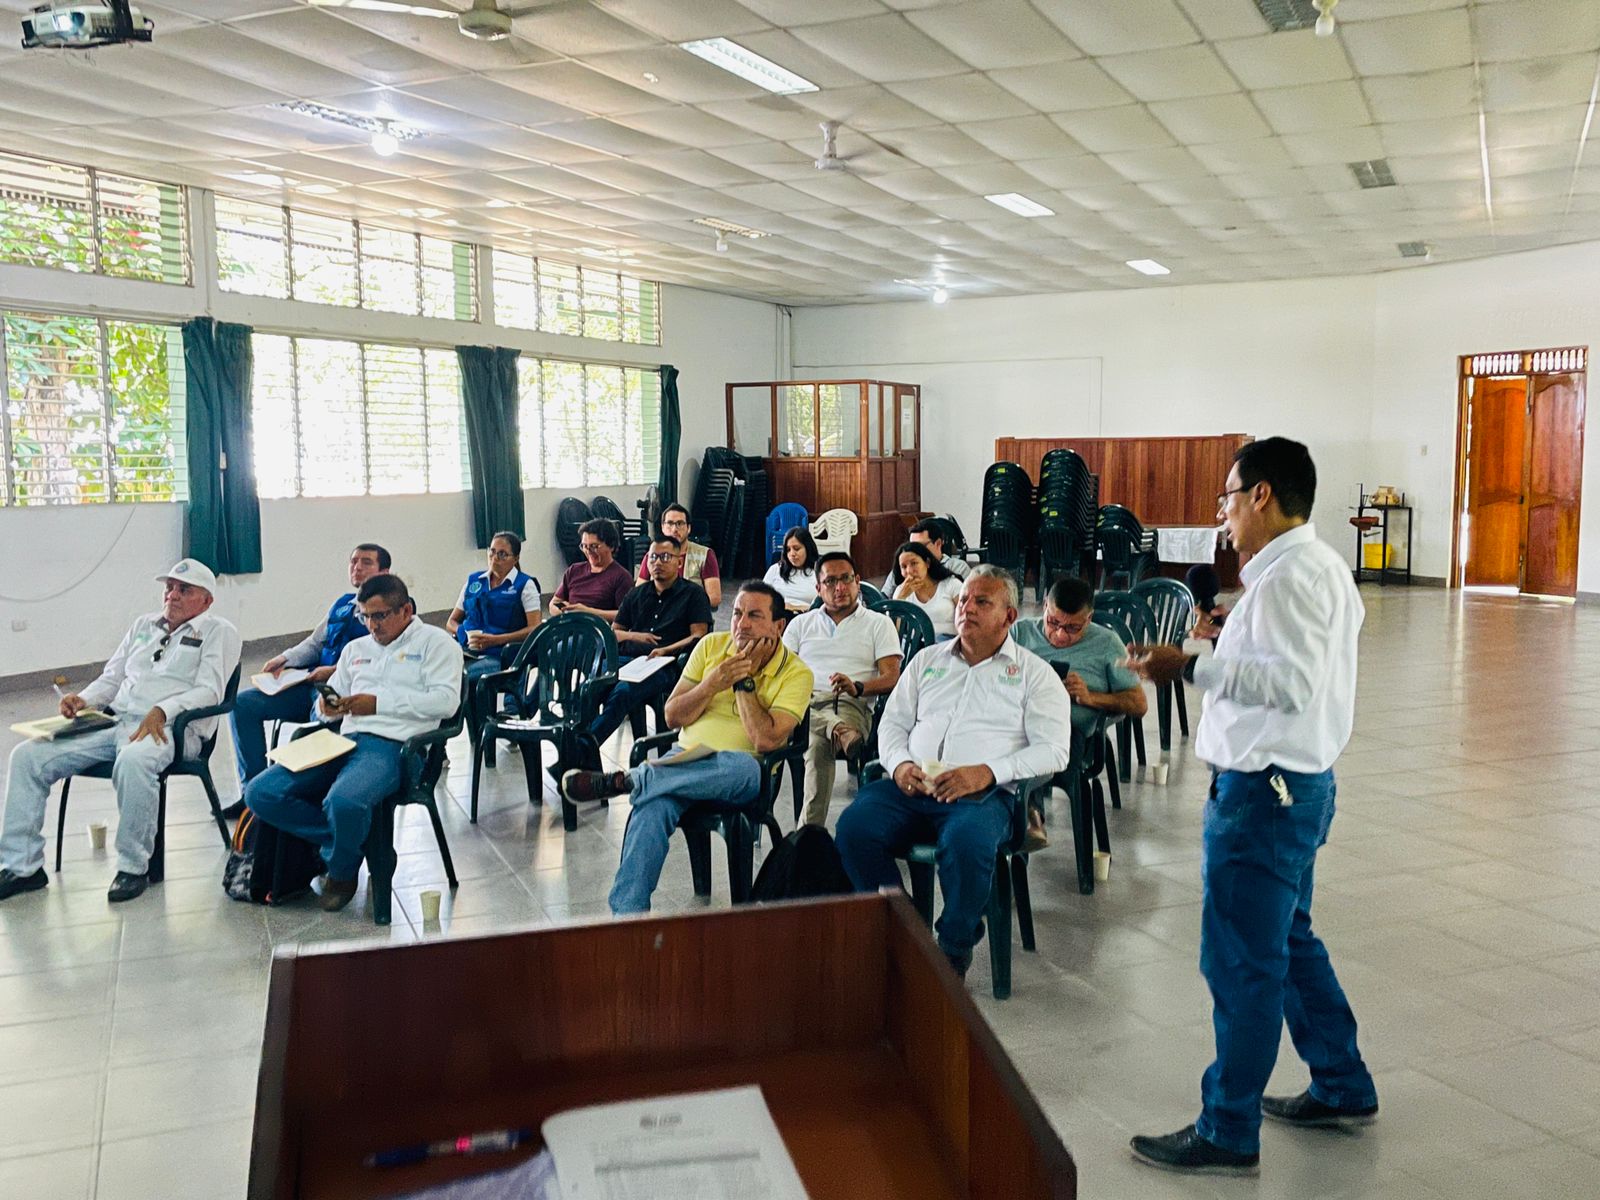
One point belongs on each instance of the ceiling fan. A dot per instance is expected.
(485, 20)
(832, 160)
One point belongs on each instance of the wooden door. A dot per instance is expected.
(1555, 480)
(908, 451)
(1496, 416)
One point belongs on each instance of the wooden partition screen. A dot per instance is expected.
(1164, 480)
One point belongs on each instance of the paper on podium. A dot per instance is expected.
(718, 1145)
(313, 750)
(48, 729)
(636, 670)
(270, 685)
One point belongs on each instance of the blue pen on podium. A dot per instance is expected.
(492, 1142)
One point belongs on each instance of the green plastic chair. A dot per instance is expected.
(1171, 606)
(557, 687)
(739, 827)
(1127, 617)
(1010, 886)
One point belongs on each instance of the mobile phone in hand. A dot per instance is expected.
(329, 696)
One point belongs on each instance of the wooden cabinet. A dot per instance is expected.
(838, 443)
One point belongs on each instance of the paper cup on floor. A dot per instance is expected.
(1102, 866)
(1159, 774)
(430, 907)
(97, 835)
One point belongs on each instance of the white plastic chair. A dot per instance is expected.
(833, 530)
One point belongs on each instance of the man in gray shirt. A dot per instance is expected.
(1097, 678)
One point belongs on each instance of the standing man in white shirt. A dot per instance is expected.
(1279, 705)
(168, 663)
(400, 680)
(854, 654)
(969, 718)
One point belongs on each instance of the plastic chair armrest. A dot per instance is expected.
(181, 722)
(308, 730)
(643, 746)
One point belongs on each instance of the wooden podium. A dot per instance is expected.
(880, 1073)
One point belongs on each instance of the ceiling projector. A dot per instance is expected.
(65, 25)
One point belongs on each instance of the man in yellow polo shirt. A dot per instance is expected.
(742, 694)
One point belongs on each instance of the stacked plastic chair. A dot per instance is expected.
(631, 531)
(570, 514)
(1068, 507)
(1127, 549)
(1007, 525)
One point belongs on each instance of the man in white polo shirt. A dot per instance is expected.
(969, 718)
(1279, 705)
(400, 680)
(170, 662)
(854, 654)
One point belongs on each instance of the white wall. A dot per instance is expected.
(101, 559)
(1292, 358)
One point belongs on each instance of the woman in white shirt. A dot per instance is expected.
(795, 572)
(926, 583)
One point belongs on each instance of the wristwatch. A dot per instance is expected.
(861, 689)
(745, 685)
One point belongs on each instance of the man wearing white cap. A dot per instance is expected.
(168, 663)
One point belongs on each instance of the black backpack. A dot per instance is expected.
(266, 865)
(804, 864)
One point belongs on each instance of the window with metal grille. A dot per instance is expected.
(587, 424)
(80, 219)
(268, 250)
(91, 410)
(552, 297)
(341, 418)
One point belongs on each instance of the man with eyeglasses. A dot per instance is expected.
(168, 663)
(599, 584)
(662, 619)
(854, 655)
(401, 679)
(699, 562)
(318, 653)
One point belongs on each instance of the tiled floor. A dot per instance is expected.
(1458, 896)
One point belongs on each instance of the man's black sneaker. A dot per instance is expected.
(12, 884)
(127, 886)
(1187, 1151)
(1306, 1111)
(234, 811)
(581, 787)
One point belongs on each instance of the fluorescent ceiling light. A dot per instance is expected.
(748, 65)
(722, 226)
(1147, 266)
(388, 6)
(1018, 203)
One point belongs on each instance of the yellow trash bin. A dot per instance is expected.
(1373, 556)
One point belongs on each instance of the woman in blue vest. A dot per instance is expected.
(497, 609)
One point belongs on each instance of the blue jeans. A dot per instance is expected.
(660, 794)
(883, 823)
(1262, 962)
(627, 698)
(251, 712)
(331, 806)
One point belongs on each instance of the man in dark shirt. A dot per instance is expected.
(659, 620)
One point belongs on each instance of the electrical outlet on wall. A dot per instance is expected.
(1422, 452)
(19, 626)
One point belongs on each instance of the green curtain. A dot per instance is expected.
(224, 513)
(671, 435)
(489, 395)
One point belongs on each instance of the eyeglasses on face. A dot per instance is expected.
(376, 616)
(836, 580)
(591, 547)
(664, 556)
(675, 523)
(501, 554)
(1063, 625)
(1222, 500)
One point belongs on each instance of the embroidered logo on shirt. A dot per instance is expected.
(190, 641)
(475, 586)
(935, 672)
(408, 657)
(359, 662)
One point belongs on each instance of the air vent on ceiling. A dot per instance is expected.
(1286, 15)
(1374, 173)
(1413, 249)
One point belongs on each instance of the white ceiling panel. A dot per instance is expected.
(1121, 28)
(991, 34)
(1171, 74)
(1285, 61)
(1063, 87)
(1175, 129)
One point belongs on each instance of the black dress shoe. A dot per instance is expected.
(336, 893)
(1187, 1151)
(127, 886)
(12, 884)
(1306, 1111)
(234, 811)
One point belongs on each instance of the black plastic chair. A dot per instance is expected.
(422, 760)
(557, 686)
(740, 827)
(1085, 798)
(1010, 886)
(570, 514)
(1127, 617)
(198, 767)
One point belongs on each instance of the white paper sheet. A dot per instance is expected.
(636, 670)
(269, 685)
(719, 1145)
